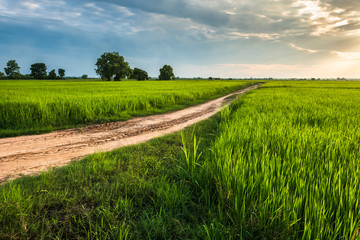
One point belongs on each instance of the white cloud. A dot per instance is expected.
(93, 6)
(347, 55)
(264, 36)
(124, 11)
(312, 8)
(339, 10)
(230, 12)
(31, 5)
(326, 28)
(303, 49)
(325, 18)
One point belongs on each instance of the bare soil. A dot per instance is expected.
(27, 155)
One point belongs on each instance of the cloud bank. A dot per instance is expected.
(279, 37)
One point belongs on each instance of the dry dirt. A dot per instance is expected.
(27, 155)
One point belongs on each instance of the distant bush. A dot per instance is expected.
(166, 73)
(12, 69)
(139, 74)
(61, 73)
(52, 74)
(38, 70)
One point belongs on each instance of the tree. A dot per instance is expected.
(38, 70)
(12, 69)
(2, 75)
(52, 74)
(123, 72)
(85, 76)
(112, 65)
(166, 73)
(139, 74)
(61, 73)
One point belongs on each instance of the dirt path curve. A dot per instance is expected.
(26, 155)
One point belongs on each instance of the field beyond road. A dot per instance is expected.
(37, 106)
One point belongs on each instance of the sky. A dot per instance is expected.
(212, 38)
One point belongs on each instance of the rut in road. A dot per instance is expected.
(27, 155)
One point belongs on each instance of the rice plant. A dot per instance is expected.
(287, 162)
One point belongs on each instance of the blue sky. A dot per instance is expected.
(218, 38)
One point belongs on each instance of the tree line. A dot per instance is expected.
(38, 71)
(112, 66)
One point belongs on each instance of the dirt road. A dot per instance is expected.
(28, 155)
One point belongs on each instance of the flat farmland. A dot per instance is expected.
(281, 162)
(288, 161)
(28, 107)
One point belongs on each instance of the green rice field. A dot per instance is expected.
(288, 161)
(281, 162)
(28, 107)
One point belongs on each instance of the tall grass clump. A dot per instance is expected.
(286, 163)
(191, 155)
(39, 106)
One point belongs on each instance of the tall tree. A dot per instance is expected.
(61, 73)
(112, 65)
(52, 74)
(38, 70)
(166, 73)
(139, 74)
(12, 69)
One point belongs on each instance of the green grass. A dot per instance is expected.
(281, 163)
(28, 107)
(138, 192)
(287, 162)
